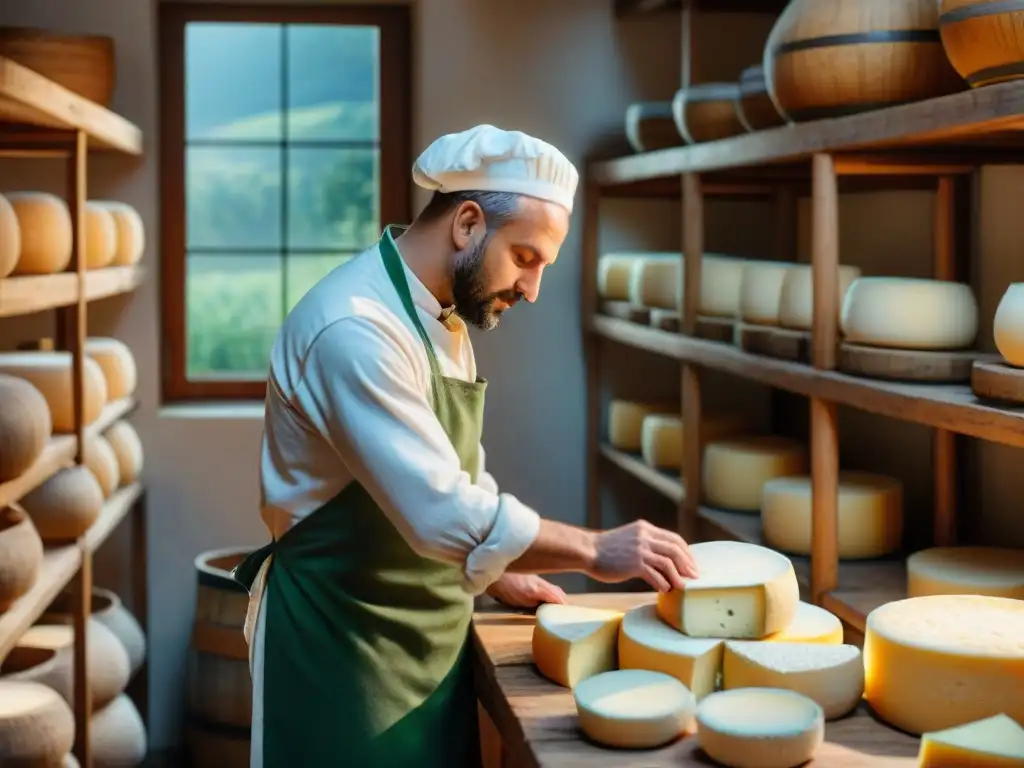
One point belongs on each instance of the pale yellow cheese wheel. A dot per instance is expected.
(1008, 325)
(37, 727)
(128, 448)
(64, 507)
(131, 232)
(10, 237)
(118, 364)
(625, 421)
(655, 280)
(991, 571)
(796, 302)
(51, 373)
(45, 225)
(721, 278)
(761, 291)
(25, 426)
(100, 459)
(735, 470)
(100, 236)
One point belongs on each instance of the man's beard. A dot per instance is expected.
(469, 288)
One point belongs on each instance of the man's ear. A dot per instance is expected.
(467, 224)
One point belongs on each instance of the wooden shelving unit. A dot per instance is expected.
(39, 118)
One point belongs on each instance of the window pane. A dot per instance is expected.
(332, 198)
(233, 81)
(332, 82)
(234, 307)
(233, 197)
(303, 271)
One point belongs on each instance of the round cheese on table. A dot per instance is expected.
(51, 374)
(128, 448)
(910, 313)
(995, 742)
(744, 591)
(761, 291)
(572, 642)
(100, 236)
(45, 226)
(626, 418)
(796, 301)
(118, 364)
(131, 232)
(634, 708)
(37, 727)
(10, 237)
(940, 661)
(721, 278)
(870, 515)
(736, 469)
(760, 728)
(991, 571)
(811, 624)
(25, 426)
(656, 280)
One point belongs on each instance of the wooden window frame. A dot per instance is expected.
(395, 141)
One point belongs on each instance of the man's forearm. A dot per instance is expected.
(558, 547)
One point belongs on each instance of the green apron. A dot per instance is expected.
(366, 656)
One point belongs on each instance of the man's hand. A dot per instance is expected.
(642, 550)
(524, 590)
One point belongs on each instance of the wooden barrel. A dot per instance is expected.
(984, 39)
(707, 112)
(219, 697)
(828, 58)
(754, 107)
(649, 126)
(84, 64)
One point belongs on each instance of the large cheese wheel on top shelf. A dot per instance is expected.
(64, 507)
(761, 291)
(51, 374)
(626, 418)
(736, 469)
(656, 280)
(991, 571)
(37, 727)
(943, 660)
(10, 238)
(131, 233)
(796, 300)
(994, 742)
(572, 642)
(45, 225)
(118, 364)
(100, 237)
(128, 448)
(661, 440)
(25, 426)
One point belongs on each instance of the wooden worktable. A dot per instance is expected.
(536, 719)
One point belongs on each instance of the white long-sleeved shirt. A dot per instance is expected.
(348, 401)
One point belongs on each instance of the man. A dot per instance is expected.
(385, 522)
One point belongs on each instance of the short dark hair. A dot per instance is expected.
(499, 207)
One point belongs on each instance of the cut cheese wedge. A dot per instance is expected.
(37, 727)
(940, 661)
(760, 728)
(991, 571)
(735, 470)
(811, 624)
(626, 419)
(572, 642)
(634, 708)
(647, 642)
(744, 592)
(831, 675)
(995, 742)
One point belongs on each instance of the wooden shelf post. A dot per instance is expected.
(591, 350)
(693, 250)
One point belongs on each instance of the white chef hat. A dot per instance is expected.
(489, 159)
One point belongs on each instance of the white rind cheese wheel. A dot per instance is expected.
(831, 675)
(811, 624)
(128, 448)
(940, 661)
(614, 270)
(995, 742)
(744, 592)
(37, 727)
(796, 301)
(118, 735)
(990, 571)
(51, 374)
(720, 281)
(100, 237)
(735, 470)
(870, 515)
(131, 232)
(661, 440)
(656, 281)
(760, 728)
(64, 507)
(647, 642)
(572, 642)
(100, 459)
(118, 364)
(625, 422)
(10, 238)
(45, 225)
(761, 291)
(634, 708)
(910, 313)
(25, 426)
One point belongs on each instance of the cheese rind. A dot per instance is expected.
(626, 420)
(796, 300)
(735, 470)
(10, 238)
(939, 661)
(744, 591)
(721, 278)
(760, 728)
(131, 232)
(51, 374)
(128, 448)
(661, 440)
(655, 280)
(633, 708)
(761, 291)
(811, 624)
(995, 742)
(991, 571)
(37, 727)
(117, 362)
(572, 642)
(614, 270)
(44, 223)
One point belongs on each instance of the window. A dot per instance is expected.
(285, 141)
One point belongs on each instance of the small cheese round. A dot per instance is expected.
(100, 236)
(128, 448)
(910, 313)
(995, 742)
(991, 571)
(625, 422)
(810, 625)
(744, 591)
(656, 281)
(720, 280)
(25, 426)
(37, 727)
(10, 238)
(573, 642)
(118, 734)
(796, 301)
(51, 373)
(661, 438)
(64, 507)
(634, 708)
(21, 554)
(131, 232)
(870, 515)
(761, 291)
(45, 225)
(760, 728)
(100, 459)
(736, 469)
(939, 661)
(118, 364)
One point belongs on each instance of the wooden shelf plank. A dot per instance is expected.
(664, 483)
(35, 293)
(59, 565)
(28, 98)
(114, 511)
(865, 586)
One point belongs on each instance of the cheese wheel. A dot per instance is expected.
(656, 281)
(131, 232)
(45, 226)
(720, 281)
(761, 291)
(100, 459)
(51, 374)
(744, 591)
(995, 742)
(647, 642)
(796, 300)
(661, 439)
(625, 422)
(100, 236)
(870, 515)
(831, 675)
(910, 313)
(811, 624)
(64, 507)
(943, 660)
(37, 727)
(128, 448)
(991, 571)
(118, 365)
(118, 735)
(572, 642)
(736, 469)
(21, 555)
(760, 728)
(10, 238)
(25, 426)
(634, 708)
